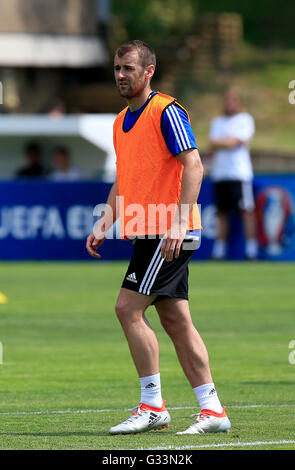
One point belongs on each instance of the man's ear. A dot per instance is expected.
(150, 70)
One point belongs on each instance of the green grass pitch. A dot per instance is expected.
(66, 358)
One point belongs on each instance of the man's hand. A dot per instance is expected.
(190, 188)
(93, 244)
(172, 242)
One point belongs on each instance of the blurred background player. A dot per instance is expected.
(34, 167)
(64, 171)
(232, 172)
(57, 109)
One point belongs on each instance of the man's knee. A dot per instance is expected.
(172, 324)
(122, 308)
(126, 312)
(175, 318)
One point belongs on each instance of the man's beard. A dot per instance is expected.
(127, 91)
(230, 112)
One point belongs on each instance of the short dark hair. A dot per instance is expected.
(32, 147)
(63, 150)
(145, 52)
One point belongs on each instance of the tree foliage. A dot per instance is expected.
(266, 22)
(155, 21)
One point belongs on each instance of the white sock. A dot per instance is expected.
(151, 390)
(208, 398)
(219, 249)
(251, 248)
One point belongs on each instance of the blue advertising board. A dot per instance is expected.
(41, 220)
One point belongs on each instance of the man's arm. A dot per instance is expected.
(191, 184)
(96, 239)
(225, 143)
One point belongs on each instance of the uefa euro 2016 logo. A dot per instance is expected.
(276, 220)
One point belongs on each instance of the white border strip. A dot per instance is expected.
(175, 110)
(155, 275)
(178, 138)
(151, 266)
(111, 410)
(224, 444)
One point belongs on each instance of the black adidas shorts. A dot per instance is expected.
(150, 274)
(234, 195)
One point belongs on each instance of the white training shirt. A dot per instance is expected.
(232, 164)
(72, 174)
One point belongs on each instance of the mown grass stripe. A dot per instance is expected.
(221, 444)
(46, 412)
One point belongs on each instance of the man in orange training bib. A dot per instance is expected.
(159, 175)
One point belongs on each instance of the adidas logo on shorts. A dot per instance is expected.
(132, 278)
